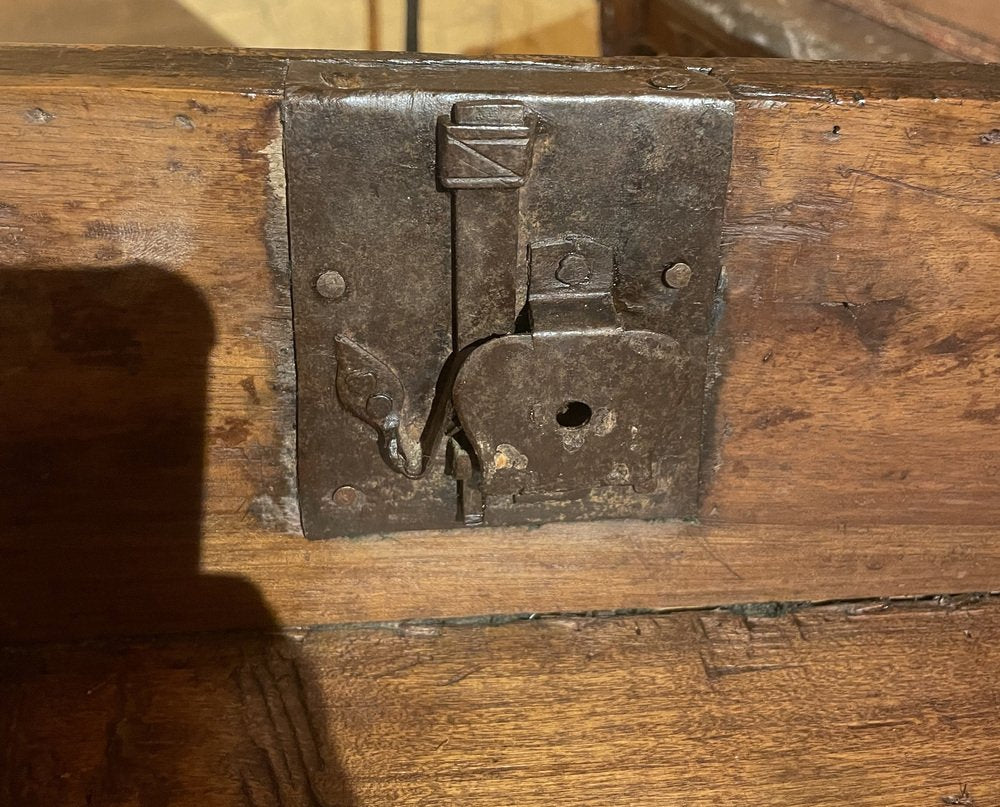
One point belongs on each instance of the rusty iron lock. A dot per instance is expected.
(524, 260)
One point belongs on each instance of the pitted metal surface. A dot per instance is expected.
(525, 259)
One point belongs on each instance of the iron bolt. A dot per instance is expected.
(670, 81)
(677, 276)
(346, 496)
(331, 285)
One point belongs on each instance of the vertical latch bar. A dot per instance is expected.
(484, 153)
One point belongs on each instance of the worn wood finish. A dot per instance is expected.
(861, 376)
(225, 70)
(854, 449)
(146, 342)
(258, 579)
(887, 706)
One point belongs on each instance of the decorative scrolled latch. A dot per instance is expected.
(503, 279)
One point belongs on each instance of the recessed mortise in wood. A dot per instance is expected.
(523, 338)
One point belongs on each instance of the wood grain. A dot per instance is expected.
(225, 70)
(860, 368)
(171, 162)
(854, 451)
(145, 315)
(887, 705)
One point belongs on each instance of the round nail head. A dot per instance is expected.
(677, 276)
(331, 285)
(574, 270)
(346, 496)
(670, 81)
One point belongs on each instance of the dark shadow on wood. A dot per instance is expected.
(102, 419)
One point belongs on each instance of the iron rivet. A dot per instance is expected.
(380, 406)
(670, 81)
(346, 496)
(574, 270)
(677, 276)
(331, 285)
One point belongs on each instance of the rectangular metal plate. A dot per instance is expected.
(632, 159)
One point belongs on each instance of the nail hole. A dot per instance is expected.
(836, 130)
(574, 414)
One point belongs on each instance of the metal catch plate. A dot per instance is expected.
(503, 277)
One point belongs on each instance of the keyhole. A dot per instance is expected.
(573, 415)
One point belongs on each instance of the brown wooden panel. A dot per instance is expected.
(144, 209)
(146, 344)
(860, 364)
(870, 704)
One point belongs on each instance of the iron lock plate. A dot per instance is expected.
(502, 283)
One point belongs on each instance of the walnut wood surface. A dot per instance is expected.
(868, 704)
(147, 483)
(854, 448)
(859, 347)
